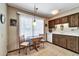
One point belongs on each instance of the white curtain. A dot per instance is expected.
(39, 27)
(26, 28)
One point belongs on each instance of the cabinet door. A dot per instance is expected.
(73, 20)
(57, 21)
(56, 39)
(62, 41)
(71, 43)
(51, 24)
(77, 44)
(64, 20)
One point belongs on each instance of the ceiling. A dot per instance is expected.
(45, 9)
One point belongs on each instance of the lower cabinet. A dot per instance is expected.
(59, 40)
(69, 42)
(56, 39)
(62, 41)
(72, 43)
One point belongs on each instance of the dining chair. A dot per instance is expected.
(36, 43)
(43, 39)
(23, 43)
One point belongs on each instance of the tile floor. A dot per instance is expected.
(48, 50)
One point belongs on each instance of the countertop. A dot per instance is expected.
(67, 33)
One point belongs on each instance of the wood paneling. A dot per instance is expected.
(64, 20)
(59, 40)
(51, 24)
(72, 43)
(69, 42)
(62, 41)
(57, 21)
(74, 20)
(55, 39)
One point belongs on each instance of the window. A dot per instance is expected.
(26, 28)
(39, 27)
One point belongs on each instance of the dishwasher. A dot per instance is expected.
(49, 37)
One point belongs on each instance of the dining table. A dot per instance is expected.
(30, 40)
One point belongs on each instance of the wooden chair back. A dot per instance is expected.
(42, 35)
(22, 39)
(36, 40)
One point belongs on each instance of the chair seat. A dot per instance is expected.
(42, 40)
(24, 43)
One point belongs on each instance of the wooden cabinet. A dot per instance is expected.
(59, 40)
(72, 43)
(51, 24)
(68, 42)
(62, 41)
(56, 39)
(74, 20)
(61, 20)
(64, 20)
(57, 21)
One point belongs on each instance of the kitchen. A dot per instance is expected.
(58, 23)
(61, 28)
(64, 32)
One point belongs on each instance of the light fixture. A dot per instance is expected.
(34, 22)
(54, 12)
(35, 12)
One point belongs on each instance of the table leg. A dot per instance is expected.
(35, 47)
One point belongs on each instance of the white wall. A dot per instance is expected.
(12, 30)
(3, 31)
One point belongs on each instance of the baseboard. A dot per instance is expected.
(67, 49)
(22, 48)
(49, 42)
(63, 47)
(7, 54)
(15, 50)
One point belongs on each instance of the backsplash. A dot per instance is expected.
(65, 28)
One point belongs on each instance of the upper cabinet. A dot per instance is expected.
(61, 20)
(74, 20)
(51, 24)
(64, 20)
(57, 21)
